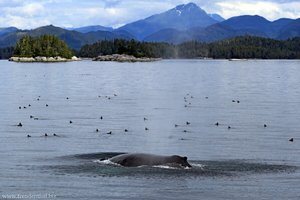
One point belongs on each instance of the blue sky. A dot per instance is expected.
(28, 14)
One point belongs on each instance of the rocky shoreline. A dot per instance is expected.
(124, 58)
(43, 59)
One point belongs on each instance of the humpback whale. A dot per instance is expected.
(141, 159)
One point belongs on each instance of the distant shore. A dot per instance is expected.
(124, 58)
(43, 59)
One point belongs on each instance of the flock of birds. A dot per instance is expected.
(101, 117)
(70, 122)
(187, 123)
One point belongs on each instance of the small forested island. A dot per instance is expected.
(45, 48)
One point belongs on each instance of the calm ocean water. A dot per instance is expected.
(247, 161)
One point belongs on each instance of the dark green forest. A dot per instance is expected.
(239, 47)
(45, 45)
(248, 47)
(255, 47)
(129, 47)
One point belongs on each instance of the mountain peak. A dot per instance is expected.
(187, 8)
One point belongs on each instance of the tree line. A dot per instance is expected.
(249, 47)
(255, 47)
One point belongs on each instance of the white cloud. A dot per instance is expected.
(23, 15)
(229, 9)
(19, 21)
(32, 10)
(290, 10)
(20, 7)
(269, 10)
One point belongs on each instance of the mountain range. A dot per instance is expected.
(74, 39)
(183, 23)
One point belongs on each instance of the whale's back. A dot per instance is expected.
(141, 159)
